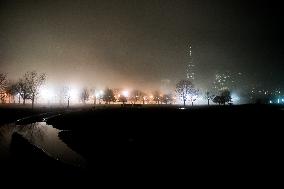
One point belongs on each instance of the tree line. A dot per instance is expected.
(28, 86)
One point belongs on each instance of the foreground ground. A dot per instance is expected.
(233, 143)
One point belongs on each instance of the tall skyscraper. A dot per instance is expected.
(165, 86)
(190, 70)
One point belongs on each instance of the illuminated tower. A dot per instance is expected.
(190, 70)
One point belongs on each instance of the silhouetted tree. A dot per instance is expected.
(32, 81)
(193, 96)
(145, 99)
(157, 97)
(167, 98)
(185, 89)
(11, 91)
(122, 99)
(23, 90)
(217, 99)
(85, 95)
(3, 86)
(226, 96)
(108, 96)
(18, 91)
(136, 96)
(223, 98)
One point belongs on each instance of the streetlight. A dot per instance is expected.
(125, 94)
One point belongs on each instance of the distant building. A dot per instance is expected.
(165, 86)
(190, 70)
(227, 80)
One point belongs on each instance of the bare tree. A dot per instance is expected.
(23, 90)
(3, 86)
(136, 96)
(94, 95)
(31, 82)
(11, 91)
(185, 89)
(85, 94)
(108, 96)
(193, 95)
(122, 99)
(167, 98)
(145, 98)
(157, 97)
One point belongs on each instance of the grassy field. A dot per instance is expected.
(161, 140)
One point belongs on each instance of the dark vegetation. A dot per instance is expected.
(213, 143)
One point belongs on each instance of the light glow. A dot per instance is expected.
(125, 93)
(73, 94)
(46, 94)
(235, 98)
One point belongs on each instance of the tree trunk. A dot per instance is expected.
(192, 103)
(24, 101)
(208, 102)
(19, 99)
(68, 103)
(183, 102)
(33, 101)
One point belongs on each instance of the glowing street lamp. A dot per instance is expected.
(99, 95)
(125, 94)
(144, 99)
(73, 93)
(47, 94)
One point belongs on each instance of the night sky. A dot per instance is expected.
(137, 43)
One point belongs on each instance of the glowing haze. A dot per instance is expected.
(137, 44)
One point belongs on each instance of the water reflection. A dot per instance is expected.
(43, 136)
(6, 133)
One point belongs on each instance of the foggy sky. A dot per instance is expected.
(137, 43)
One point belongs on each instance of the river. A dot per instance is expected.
(44, 137)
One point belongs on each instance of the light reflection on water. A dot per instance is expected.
(43, 136)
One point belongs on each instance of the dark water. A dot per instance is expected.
(43, 136)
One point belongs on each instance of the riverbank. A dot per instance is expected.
(165, 140)
(12, 112)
